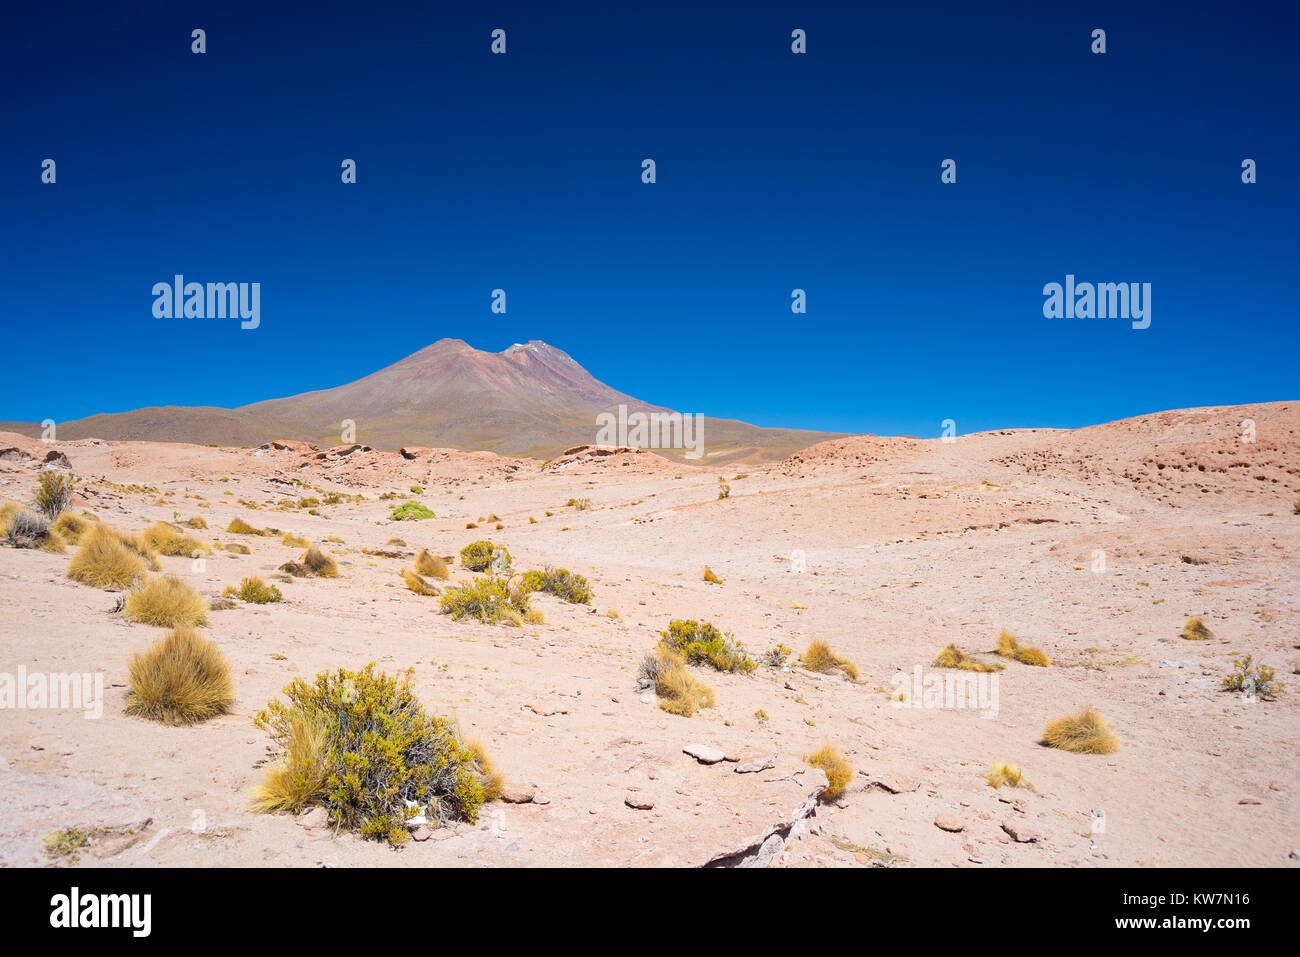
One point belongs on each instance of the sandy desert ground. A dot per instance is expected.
(909, 545)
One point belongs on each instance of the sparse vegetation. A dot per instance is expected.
(294, 541)
(238, 526)
(54, 491)
(1084, 733)
(314, 563)
(481, 555)
(488, 600)
(168, 540)
(581, 504)
(700, 642)
(253, 589)
(71, 527)
(1008, 647)
(560, 582)
(819, 657)
(954, 657)
(106, 558)
(1246, 675)
(1195, 630)
(778, 656)
(1005, 773)
(838, 770)
(165, 602)
(431, 565)
(361, 745)
(417, 584)
(411, 511)
(182, 678)
(679, 692)
(27, 529)
(493, 782)
(710, 577)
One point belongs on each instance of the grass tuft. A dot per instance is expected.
(166, 602)
(417, 584)
(182, 678)
(105, 558)
(1008, 647)
(1195, 630)
(838, 770)
(431, 565)
(819, 657)
(710, 577)
(1085, 733)
(679, 692)
(954, 657)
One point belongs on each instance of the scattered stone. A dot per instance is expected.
(541, 799)
(704, 753)
(316, 817)
(518, 795)
(421, 834)
(1249, 800)
(1020, 832)
(751, 767)
(638, 801)
(55, 459)
(545, 710)
(946, 822)
(893, 783)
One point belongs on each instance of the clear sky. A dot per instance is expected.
(775, 171)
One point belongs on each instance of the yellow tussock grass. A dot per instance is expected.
(1085, 733)
(1195, 630)
(819, 657)
(710, 577)
(492, 781)
(182, 678)
(104, 560)
(1004, 772)
(954, 657)
(168, 540)
(296, 778)
(1008, 647)
(431, 565)
(417, 584)
(838, 770)
(166, 602)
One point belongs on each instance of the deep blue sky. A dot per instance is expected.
(775, 171)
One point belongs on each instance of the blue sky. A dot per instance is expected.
(775, 171)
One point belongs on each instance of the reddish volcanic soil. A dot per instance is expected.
(1094, 545)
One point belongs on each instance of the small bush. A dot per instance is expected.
(411, 511)
(534, 616)
(581, 504)
(481, 555)
(1085, 733)
(182, 678)
(415, 489)
(27, 529)
(417, 584)
(54, 492)
(378, 749)
(294, 541)
(679, 692)
(104, 559)
(560, 582)
(778, 656)
(253, 589)
(488, 600)
(166, 602)
(954, 657)
(196, 522)
(71, 527)
(238, 548)
(701, 642)
(314, 563)
(167, 540)
(710, 577)
(838, 770)
(1247, 675)
(1195, 630)
(431, 565)
(1008, 647)
(819, 657)
(1004, 772)
(240, 527)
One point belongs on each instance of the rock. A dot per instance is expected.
(638, 801)
(518, 795)
(421, 834)
(545, 710)
(946, 822)
(541, 799)
(704, 753)
(815, 780)
(893, 783)
(316, 817)
(13, 455)
(1020, 832)
(55, 459)
(763, 765)
(1248, 800)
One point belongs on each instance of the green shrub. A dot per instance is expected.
(700, 642)
(411, 511)
(1246, 675)
(481, 555)
(560, 582)
(378, 749)
(253, 589)
(488, 600)
(54, 492)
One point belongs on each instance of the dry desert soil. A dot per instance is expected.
(906, 546)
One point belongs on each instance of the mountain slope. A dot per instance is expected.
(530, 399)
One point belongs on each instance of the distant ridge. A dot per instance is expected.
(531, 399)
